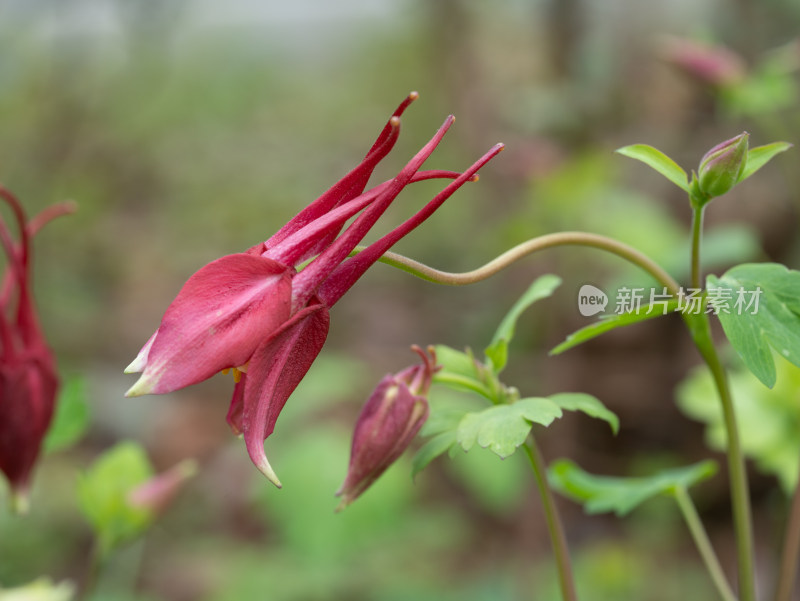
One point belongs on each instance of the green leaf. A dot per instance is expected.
(591, 406)
(760, 156)
(658, 161)
(503, 428)
(611, 322)
(438, 445)
(103, 495)
(774, 323)
(601, 494)
(771, 417)
(497, 351)
(442, 420)
(460, 371)
(71, 417)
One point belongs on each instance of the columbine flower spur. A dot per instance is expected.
(254, 313)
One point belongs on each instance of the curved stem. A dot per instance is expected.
(703, 543)
(554, 526)
(791, 551)
(520, 251)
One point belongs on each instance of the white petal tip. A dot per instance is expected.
(140, 388)
(133, 368)
(265, 468)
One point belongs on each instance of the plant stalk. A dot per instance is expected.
(558, 539)
(740, 493)
(520, 251)
(703, 544)
(700, 329)
(791, 552)
(697, 236)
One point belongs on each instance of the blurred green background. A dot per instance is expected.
(189, 129)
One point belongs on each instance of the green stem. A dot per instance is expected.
(697, 235)
(96, 561)
(791, 551)
(557, 537)
(703, 543)
(520, 251)
(700, 329)
(740, 496)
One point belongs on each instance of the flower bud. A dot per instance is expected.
(156, 494)
(722, 166)
(388, 422)
(710, 64)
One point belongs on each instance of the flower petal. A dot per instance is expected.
(350, 186)
(217, 320)
(273, 373)
(138, 364)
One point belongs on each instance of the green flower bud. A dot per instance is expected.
(722, 166)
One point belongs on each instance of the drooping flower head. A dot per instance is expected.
(28, 379)
(388, 422)
(255, 313)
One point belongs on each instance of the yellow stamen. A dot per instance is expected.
(237, 372)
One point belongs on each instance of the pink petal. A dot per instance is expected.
(312, 276)
(234, 417)
(275, 370)
(351, 185)
(216, 322)
(347, 273)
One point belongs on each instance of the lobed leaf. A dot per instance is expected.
(586, 403)
(771, 417)
(601, 494)
(773, 324)
(503, 428)
(659, 161)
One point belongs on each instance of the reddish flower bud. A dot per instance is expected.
(390, 419)
(713, 65)
(156, 494)
(28, 380)
(722, 166)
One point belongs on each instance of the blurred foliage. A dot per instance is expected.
(186, 130)
(71, 418)
(601, 494)
(39, 590)
(103, 492)
(769, 418)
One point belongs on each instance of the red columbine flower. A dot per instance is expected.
(388, 423)
(28, 380)
(255, 313)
